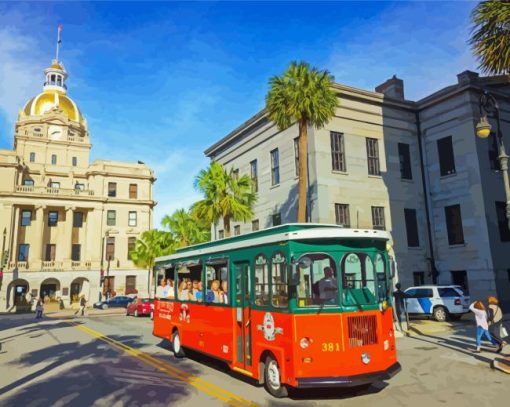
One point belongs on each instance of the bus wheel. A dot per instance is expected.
(176, 345)
(272, 378)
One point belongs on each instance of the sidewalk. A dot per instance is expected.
(89, 312)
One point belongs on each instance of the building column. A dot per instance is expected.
(68, 236)
(36, 255)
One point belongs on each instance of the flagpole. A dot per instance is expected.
(59, 29)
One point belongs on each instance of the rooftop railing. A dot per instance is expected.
(30, 189)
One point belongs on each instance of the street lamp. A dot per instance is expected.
(488, 105)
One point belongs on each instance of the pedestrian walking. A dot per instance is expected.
(482, 326)
(495, 320)
(39, 308)
(400, 308)
(83, 303)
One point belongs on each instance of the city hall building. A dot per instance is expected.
(66, 225)
(413, 168)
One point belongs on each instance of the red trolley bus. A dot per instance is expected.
(297, 305)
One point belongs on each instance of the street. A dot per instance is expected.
(114, 360)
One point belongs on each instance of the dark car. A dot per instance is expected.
(114, 302)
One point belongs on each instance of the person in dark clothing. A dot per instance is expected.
(400, 307)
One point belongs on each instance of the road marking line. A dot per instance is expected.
(195, 381)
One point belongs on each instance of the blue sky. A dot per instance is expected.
(160, 82)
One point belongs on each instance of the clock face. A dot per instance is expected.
(55, 133)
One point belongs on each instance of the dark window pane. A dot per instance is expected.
(255, 225)
(447, 292)
(446, 158)
(32, 157)
(253, 174)
(110, 248)
(23, 250)
(418, 278)
(378, 218)
(26, 217)
(51, 250)
(504, 232)
(337, 151)
(405, 161)
(112, 189)
(75, 161)
(275, 167)
(77, 219)
(76, 252)
(454, 224)
(411, 228)
(111, 218)
(342, 215)
(52, 218)
(459, 277)
(277, 219)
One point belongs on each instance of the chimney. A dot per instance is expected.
(393, 88)
(467, 77)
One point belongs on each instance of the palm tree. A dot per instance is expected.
(303, 95)
(151, 244)
(185, 228)
(490, 38)
(227, 196)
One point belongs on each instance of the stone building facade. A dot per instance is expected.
(414, 168)
(67, 223)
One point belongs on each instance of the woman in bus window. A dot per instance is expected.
(213, 295)
(183, 291)
(224, 292)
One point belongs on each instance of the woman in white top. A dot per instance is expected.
(482, 328)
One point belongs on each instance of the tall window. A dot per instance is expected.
(459, 277)
(26, 217)
(337, 151)
(54, 159)
(411, 227)
(23, 250)
(76, 252)
(32, 157)
(454, 224)
(132, 220)
(110, 248)
(112, 189)
(133, 191)
(277, 219)
(261, 281)
(275, 167)
(418, 278)
(74, 161)
(237, 230)
(404, 155)
(51, 251)
(446, 157)
(111, 218)
(253, 174)
(130, 283)
(221, 234)
(279, 291)
(296, 156)
(77, 219)
(378, 218)
(255, 225)
(504, 232)
(52, 218)
(131, 245)
(342, 215)
(373, 156)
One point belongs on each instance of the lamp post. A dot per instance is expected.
(489, 105)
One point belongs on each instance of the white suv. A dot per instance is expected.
(438, 301)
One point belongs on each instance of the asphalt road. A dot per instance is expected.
(115, 361)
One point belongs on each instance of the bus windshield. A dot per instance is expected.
(359, 279)
(318, 282)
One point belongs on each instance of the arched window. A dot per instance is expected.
(318, 283)
(261, 280)
(358, 279)
(280, 294)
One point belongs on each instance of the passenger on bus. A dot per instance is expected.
(168, 290)
(160, 288)
(183, 291)
(199, 295)
(328, 286)
(213, 295)
(224, 292)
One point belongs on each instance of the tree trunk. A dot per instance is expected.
(151, 276)
(303, 171)
(226, 226)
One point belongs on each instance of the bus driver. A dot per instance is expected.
(328, 286)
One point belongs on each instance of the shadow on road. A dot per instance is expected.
(82, 374)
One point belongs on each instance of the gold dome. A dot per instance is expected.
(45, 101)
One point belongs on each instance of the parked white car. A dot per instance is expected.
(439, 301)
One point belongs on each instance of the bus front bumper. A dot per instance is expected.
(349, 381)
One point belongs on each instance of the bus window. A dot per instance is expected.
(189, 277)
(280, 295)
(216, 275)
(261, 280)
(318, 284)
(165, 288)
(382, 278)
(358, 279)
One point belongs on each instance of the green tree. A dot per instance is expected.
(227, 196)
(490, 38)
(303, 94)
(151, 244)
(186, 229)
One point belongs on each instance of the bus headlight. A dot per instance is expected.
(304, 343)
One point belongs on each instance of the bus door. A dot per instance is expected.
(242, 330)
